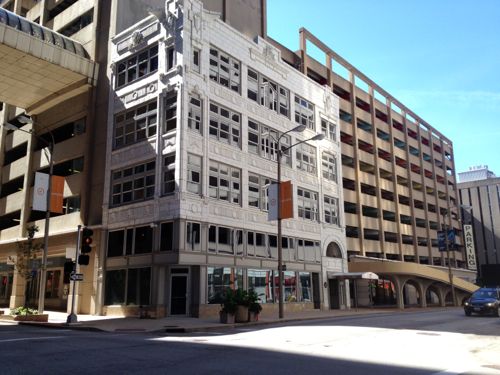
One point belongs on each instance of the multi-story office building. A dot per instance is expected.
(168, 152)
(199, 113)
(479, 191)
(50, 77)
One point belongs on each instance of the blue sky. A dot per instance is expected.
(441, 58)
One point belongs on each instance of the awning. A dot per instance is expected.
(352, 275)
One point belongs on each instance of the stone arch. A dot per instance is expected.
(411, 293)
(333, 250)
(433, 296)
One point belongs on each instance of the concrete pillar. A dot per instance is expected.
(421, 293)
(399, 284)
(17, 296)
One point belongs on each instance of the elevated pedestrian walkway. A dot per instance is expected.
(40, 68)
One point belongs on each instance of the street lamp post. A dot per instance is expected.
(280, 152)
(43, 271)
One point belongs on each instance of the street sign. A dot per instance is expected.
(76, 276)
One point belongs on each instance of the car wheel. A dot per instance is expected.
(468, 313)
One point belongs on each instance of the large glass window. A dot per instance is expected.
(128, 287)
(329, 166)
(220, 279)
(225, 182)
(225, 70)
(257, 191)
(167, 236)
(193, 236)
(225, 125)
(224, 240)
(304, 112)
(131, 241)
(262, 140)
(135, 124)
(305, 287)
(133, 184)
(290, 287)
(307, 203)
(195, 117)
(256, 245)
(137, 66)
(331, 208)
(306, 158)
(261, 282)
(268, 93)
(194, 174)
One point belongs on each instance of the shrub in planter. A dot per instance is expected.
(242, 303)
(228, 307)
(23, 314)
(254, 307)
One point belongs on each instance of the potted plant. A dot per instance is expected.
(254, 307)
(242, 304)
(228, 307)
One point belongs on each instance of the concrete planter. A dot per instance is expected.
(253, 316)
(241, 314)
(31, 318)
(226, 318)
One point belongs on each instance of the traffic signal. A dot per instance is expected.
(69, 266)
(84, 259)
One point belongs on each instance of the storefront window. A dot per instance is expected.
(304, 292)
(220, 279)
(261, 282)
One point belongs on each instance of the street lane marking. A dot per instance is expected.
(33, 338)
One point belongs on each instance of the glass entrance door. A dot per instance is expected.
(178, 295)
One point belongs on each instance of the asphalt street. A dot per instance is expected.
(431, 342)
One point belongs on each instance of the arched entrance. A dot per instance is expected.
(336, 287)
(432, 296)
(411, 293)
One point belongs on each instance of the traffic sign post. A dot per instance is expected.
(72, 318)
(76, 276)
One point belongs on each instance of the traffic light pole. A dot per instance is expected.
(72, 317)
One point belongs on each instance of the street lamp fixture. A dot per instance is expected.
(50, 146)
(280, 152)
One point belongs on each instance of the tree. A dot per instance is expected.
(27, 252)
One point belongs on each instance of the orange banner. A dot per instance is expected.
(57, 194)
(286, 194)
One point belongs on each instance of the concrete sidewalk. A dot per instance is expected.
(173, 324)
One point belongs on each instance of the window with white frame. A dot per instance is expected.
(169, 174)
(133, 184)
(268, 93)
(257, 245)
(331, 208)
(195, 114)
(194, 174)
(307, 204)
(225, 70)
(224, 240)
(170, 58)
(329, 129)
(304, 112)
(225, 125)
(329, 166)
(135, 125)
(306, 158)
(257, 191)
(262, 141)
(137, 66)
(225, 182)
(193, 236)
(170, 111)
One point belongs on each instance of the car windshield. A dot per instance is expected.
(485, 294)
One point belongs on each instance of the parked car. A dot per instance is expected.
(483, 301)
